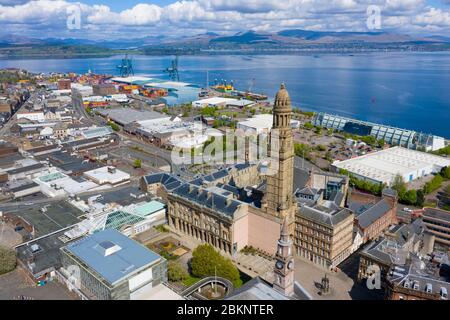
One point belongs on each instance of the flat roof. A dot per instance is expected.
(147, 208)
(47, 257)
(129, 115)
(105, 174)
(437, 214)
(259, 121)
(122, 196)
(215, 100)
(112, 255)
(384, 165)
(160, 292)
(133, 79)
(57, 216)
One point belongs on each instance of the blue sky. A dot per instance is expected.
(136, 18)
(119, 5)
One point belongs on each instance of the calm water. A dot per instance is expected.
(408, 90)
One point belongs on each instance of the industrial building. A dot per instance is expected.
(107, 175)
(172, 132)
(126, 116)
(112, 267)
(382, 166)
(391, 135)
(261, 124)
(220, 102)
(177, 92)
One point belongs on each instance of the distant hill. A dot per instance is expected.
(246, 37)
(248, 41)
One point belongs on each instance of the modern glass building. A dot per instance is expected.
(109, 266)
(391, 135)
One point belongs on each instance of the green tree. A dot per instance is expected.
(301, 149)
(7, 260)
(308, 125)
(176, 272)
(434, 184)
(443, 151)
(114, 126)
(410, 197)
(321, 148)
(445, 172)
(137, 163)
(370, 140)
(399, 185)
(209, 111)
(206, 260)
(420, 198)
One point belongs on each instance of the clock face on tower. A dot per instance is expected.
(279, 265)
(290, 265)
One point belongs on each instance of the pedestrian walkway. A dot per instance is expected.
(255, 265)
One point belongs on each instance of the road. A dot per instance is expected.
(4, 131)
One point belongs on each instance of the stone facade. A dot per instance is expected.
(324, 243)
(278, 200)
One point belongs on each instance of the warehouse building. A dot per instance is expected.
(382, 166)
(113, 267)
(220, 102)
(261, 124)
(107, 175)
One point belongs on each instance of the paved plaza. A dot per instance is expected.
(16, 286)
(9, 238)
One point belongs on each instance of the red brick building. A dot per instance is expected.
(64, 84)
(373, 218)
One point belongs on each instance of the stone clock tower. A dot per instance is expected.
(284, 266)
(278, 199)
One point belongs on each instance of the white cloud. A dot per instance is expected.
(190, 16)
(434, 17)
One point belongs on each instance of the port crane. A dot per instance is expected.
(173, 70)
(126, 67)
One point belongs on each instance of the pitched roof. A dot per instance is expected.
(331, 217)
(373, 213)
(209, 199)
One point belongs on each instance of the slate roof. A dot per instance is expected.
(373, 213)
(26, 169)
(211, 200)
(422, 274)
(317, 213)
(389, 192)
(308, 191)
(169, 181)
(301, 178)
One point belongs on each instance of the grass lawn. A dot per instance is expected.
(190, 280)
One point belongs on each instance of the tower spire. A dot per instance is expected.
(278, 199)
(284, 266)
